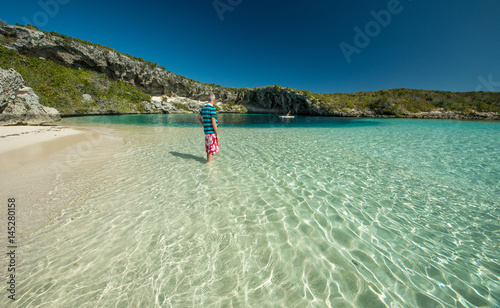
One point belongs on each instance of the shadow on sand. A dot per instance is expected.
(189, 156)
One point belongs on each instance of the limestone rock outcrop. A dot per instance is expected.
(277, 100)
(19, 104)
(147, 77)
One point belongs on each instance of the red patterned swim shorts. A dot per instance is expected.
(211, 144)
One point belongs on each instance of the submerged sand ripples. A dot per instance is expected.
(282, 218)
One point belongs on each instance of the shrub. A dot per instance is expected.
(62, 88)
(182, 106)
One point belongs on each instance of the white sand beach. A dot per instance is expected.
(16, 137)
(35, 160)
(19, 144)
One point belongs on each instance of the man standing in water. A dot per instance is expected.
(208, 119)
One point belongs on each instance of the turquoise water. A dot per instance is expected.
(309, 212)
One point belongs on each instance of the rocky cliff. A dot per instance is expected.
(152, 79)
(175, 93)
(147, 77)
(19, 104)
(281, 100)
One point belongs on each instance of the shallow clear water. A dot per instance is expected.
(310, 212)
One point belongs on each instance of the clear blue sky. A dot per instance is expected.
(451, 45)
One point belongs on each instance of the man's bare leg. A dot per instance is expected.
(209, 157)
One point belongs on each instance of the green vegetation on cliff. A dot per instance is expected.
(403, 101)
(63, 88)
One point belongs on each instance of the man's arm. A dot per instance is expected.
(200, 119)
(214, 124)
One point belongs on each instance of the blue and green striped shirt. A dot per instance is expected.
(207, 112)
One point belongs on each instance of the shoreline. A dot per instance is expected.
(18, 136)
(36, 160)
(21, 144)
(363, 114)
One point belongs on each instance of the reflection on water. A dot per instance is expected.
(330, 213)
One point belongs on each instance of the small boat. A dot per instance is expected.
(287, 116)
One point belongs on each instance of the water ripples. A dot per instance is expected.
(283, 218)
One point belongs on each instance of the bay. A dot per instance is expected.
(304, 212)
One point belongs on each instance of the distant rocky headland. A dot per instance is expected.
(80, 78)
